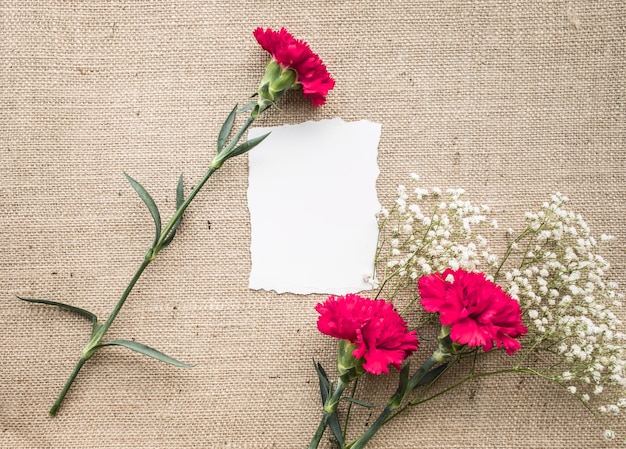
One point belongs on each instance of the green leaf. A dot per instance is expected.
(145, 350)
(247, 146)
(83, 312)
(325, 391)
(180, 199)
(335, 427)
(323, 379)
(247, 107)
(149, 202)
(403, 382)
(226, 129)
(432, 375)
(358, 402)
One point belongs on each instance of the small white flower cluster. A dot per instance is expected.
(559, 279)
(429, 230)
(562, 288)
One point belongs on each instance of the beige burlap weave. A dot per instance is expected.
(510, 100)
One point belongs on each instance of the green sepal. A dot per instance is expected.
(358, 402)
(264, 90)
(247, 146)
(149, 202)
(145, 350)
(226, 129)
(83, 312)
(432, 375)
(247, 107)
(180, 199)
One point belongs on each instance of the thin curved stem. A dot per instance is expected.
(345, 425)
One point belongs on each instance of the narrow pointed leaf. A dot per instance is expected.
(335, 427)
(403, 382)
(325, 391)
(358, 402)
(247, 146)
(180, 193)
(432, 375)
(247, 107)
(404, 377)
(226, 129)
(180, 199)
(149, 202)
(323, 379)
(145, 350)
(83, 312)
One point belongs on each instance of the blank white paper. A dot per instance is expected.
(313, 204)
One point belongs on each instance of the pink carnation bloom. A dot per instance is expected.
(296, 54)
(373, 326)
(478, 311)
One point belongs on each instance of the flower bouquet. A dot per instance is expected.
(546, 301)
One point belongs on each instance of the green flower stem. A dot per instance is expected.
(413, 402)
(100, 329)
(518, 239)
(179, 212)
(419, 375)
(66, 387)
(315, 442)
(394, 403)
(364, 439)
(330, 407)
(219, 159)
(347, 420)
(486, 374)
(96, 337)
(387, 278)
(121, 301)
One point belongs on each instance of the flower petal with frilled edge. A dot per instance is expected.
(478, 311)
(377, 330)
(292, 53)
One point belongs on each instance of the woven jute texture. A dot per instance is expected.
(510, 100)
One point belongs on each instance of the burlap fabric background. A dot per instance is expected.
(510, 100)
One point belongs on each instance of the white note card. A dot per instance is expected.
(313, 204)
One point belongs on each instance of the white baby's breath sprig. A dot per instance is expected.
(429, 230)
(561, 283)
(553, 268)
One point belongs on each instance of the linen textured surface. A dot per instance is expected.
(510, 100)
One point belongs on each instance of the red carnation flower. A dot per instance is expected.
(296, 54)
(478, 311)
(373, 326)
